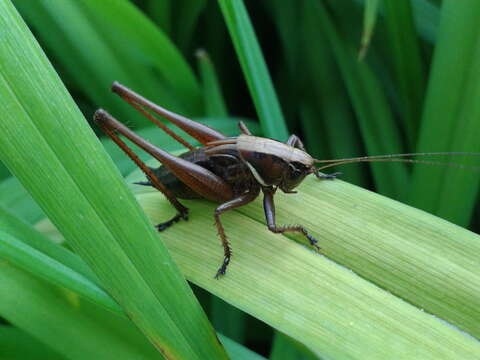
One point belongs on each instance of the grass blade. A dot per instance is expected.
(238, 352)
(212, 93)
(123, 39)
(335, 122)
(55, 155)
(451, 116)
(39, 264)
(254, 69)
(14, 197)
(228, 320)
(30, 304)
(426, 17)
(369, 20)
(187, 14)
(161, 13)
(284, 348)
(60, 267)
(18, 345)
(33, 239)
(370, 104)
(408, 67)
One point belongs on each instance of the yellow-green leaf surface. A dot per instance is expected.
(401, 266)
(49, 147)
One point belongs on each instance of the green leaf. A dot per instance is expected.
(429, 264)
(53, 152)
(420, 258)
(333, 125)
(376, 122)
(161, 13)
(18, 345)
(408, 67)
(14, 197)
(254, 68)
(238, 352)
(187, 14)
(39, 264)
(34, 254)
(47, 312)
(369, 20)
(426, 17)
(41, 246)
(212, 93)
(123, 39)
(284, 348)
(228, 320)
(451, 118)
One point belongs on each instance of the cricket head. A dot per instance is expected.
(273, 163)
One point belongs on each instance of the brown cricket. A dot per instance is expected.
(230, 171)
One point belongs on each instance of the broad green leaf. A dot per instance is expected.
(50, 148)
(254, 68)
(421, 258)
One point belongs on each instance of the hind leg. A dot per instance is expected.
(109, 125)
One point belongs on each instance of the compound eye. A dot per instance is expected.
(295, 171)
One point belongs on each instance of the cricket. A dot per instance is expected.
(229, 171)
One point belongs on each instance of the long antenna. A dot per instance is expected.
(365, 158)
(393, 158)
(449, 164)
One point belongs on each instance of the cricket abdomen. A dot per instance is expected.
(226, 166)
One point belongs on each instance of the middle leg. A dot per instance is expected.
(229, 205)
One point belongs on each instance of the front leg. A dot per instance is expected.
(269, 207)
(163, 226)
(229, 205)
